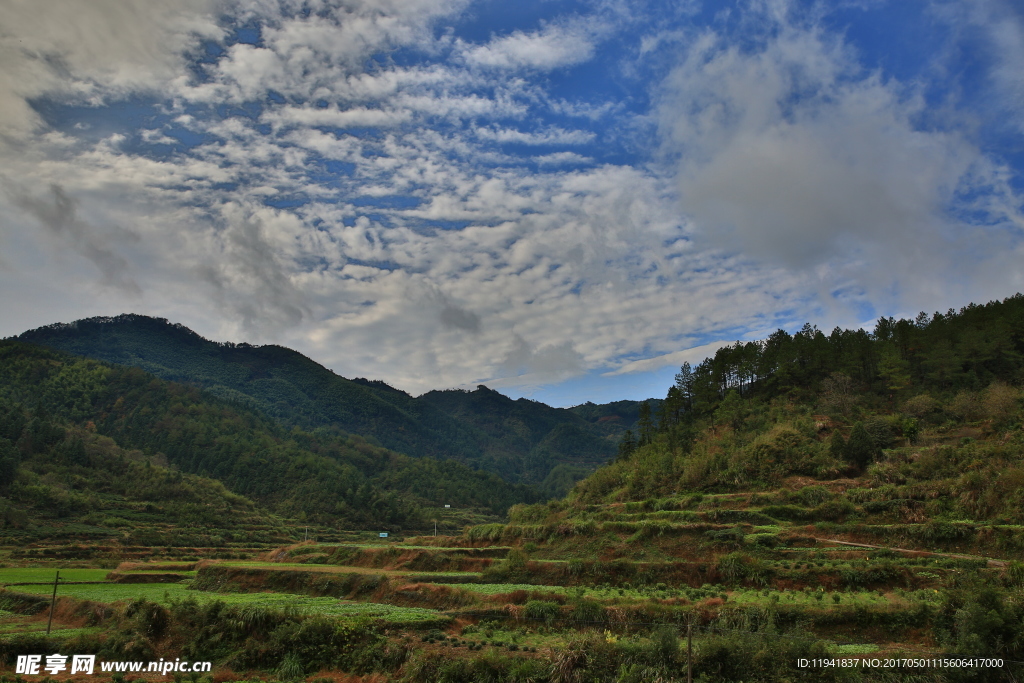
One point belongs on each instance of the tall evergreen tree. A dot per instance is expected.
(645, 425)
(627, 445)
(837, 446)
(860, 449)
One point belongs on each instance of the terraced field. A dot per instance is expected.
(857, 568)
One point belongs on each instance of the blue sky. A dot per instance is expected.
(561, 200)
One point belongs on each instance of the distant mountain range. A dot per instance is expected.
(522, 441)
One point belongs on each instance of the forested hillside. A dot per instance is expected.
(325, 476)
(939, 354)
(554, 440)
(522, 441)
(62, 481)
(845, 497)
(817, 405)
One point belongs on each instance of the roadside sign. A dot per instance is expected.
(383, 534)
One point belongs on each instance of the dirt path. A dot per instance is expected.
(923, 553)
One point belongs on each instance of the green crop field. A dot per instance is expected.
(165, 593)
(26, 575)
(329, 568)
(497, 588)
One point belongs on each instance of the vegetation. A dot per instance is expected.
(522, 441)
(324, 477)
(855, 496)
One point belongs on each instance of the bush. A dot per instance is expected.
(542, 610)
(921, 406)
(743, 656)
(967, 406)
(861, 450)
(999, 402)
(980, 621)
(881, 432)
(834, 510)
(813, 495)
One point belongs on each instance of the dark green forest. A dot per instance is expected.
(61, 480)
(942, 355)
(521, 441)
(324, 476)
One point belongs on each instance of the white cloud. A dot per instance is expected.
(791, 154)
(560, 158)
(692, 355)
(334, 117)
(434, 257)
(551, 136)
(93, 51)
(553, 46)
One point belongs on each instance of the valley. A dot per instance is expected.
(854, 498)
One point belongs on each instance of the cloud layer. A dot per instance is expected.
(419, 192)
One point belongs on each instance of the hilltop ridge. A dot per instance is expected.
(521, 441)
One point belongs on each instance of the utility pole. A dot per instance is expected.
(435, 527)
(53, 601)
(689, 651)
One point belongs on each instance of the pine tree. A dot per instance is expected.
(837, 446)
(627, 445)
(860, 449)
(645, 424)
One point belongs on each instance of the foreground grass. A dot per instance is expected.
(166, 593)
(43, 575)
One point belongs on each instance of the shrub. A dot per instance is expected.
(742, 656)
(861, 450)
(813, 495)
(999, 402)
(1015, 574)
(921, 406)
(967, 406)
(980, 621)
(542, 610)
(881, 432)
(834, 510)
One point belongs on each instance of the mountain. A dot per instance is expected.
(325, 476)
(522, 441)
(612, 419)
(62, 481)
(860, 487)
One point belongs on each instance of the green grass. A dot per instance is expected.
(166, 592)
(25, 575)
(40, 629)
(765, 597)
(113, 592)
(495, 588)
(854, 649)
(243, 564)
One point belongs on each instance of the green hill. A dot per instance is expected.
(855, 494)
(325, 476)
(62, 482)
(842, 507)
(522, 441)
